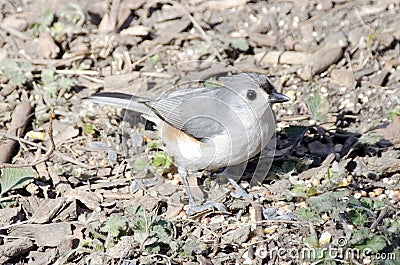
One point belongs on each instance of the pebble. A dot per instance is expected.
(378, 191)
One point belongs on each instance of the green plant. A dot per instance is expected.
(18, 73)
(52, 84)
(15, 178)
(34, 29)
(318, 107)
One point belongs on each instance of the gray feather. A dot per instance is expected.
(121, 100)
(182, 110)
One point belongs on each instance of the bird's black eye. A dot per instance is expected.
(251, 94)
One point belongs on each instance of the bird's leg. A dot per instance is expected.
(193, 206)
(240, 192)
(184, 176)
(233, 174)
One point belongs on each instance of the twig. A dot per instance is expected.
(199, 28)
(77, 72)
(17, 126)
(11, 197)
(93, 79)
(17, 224)
(52, 62)
(382, 215)
(15, 33)
(57, 153)
(259, 228)
(142, 59)
(46, 156)
(282, 221)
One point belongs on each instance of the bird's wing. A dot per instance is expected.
(193, 111)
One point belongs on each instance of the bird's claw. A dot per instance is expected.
(193, 209)
(241, 194)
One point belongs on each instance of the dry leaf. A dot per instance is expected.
(392, 131)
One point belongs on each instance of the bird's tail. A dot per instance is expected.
(121, 100)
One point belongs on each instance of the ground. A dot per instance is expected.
(89, 184)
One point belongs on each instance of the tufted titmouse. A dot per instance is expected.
(209, 127)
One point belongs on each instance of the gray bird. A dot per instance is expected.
(209, 127)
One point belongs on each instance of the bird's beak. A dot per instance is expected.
(275, 97)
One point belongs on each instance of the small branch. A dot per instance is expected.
(199, 28)
(45, 157)
(19, 121)
(77, 72)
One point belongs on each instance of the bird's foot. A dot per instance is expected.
(197, 208)
(241, 194)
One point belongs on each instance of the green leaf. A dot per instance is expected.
(394, 227)
(358, 218)
(212, 83)
(311, 241)
(240, 44)
(295, 133)
(155, 59)
(153, 144)
(328, 202)
(47, 76)
(15, 178)
(160, 159)
(375, 244)
(288, 166)
(305, 214)
(299, 190)
(163, 232)
(34, 29)
(192, 246)
(153, 248)
(367, 202)
(86, 242)
(312, 191)
(317, 107)
(64, 82)
(18, 73)
(139, 165)
(359, 236)
(89, 128)
(370, 138)
(47, 18)
(57, 27)
(114, 225)
(394, 112)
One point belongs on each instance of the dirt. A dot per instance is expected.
(89, 184)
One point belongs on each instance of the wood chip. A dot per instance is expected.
(14, 22)
(49, 235)
(7, 215)
(43, 257)
(89, 199)
(47, 48)
(344, 77)
(121, 83)
(224, 4)
(263, 40)
(137, 30)
(321, 60)
(48, 209)
(15, 248)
